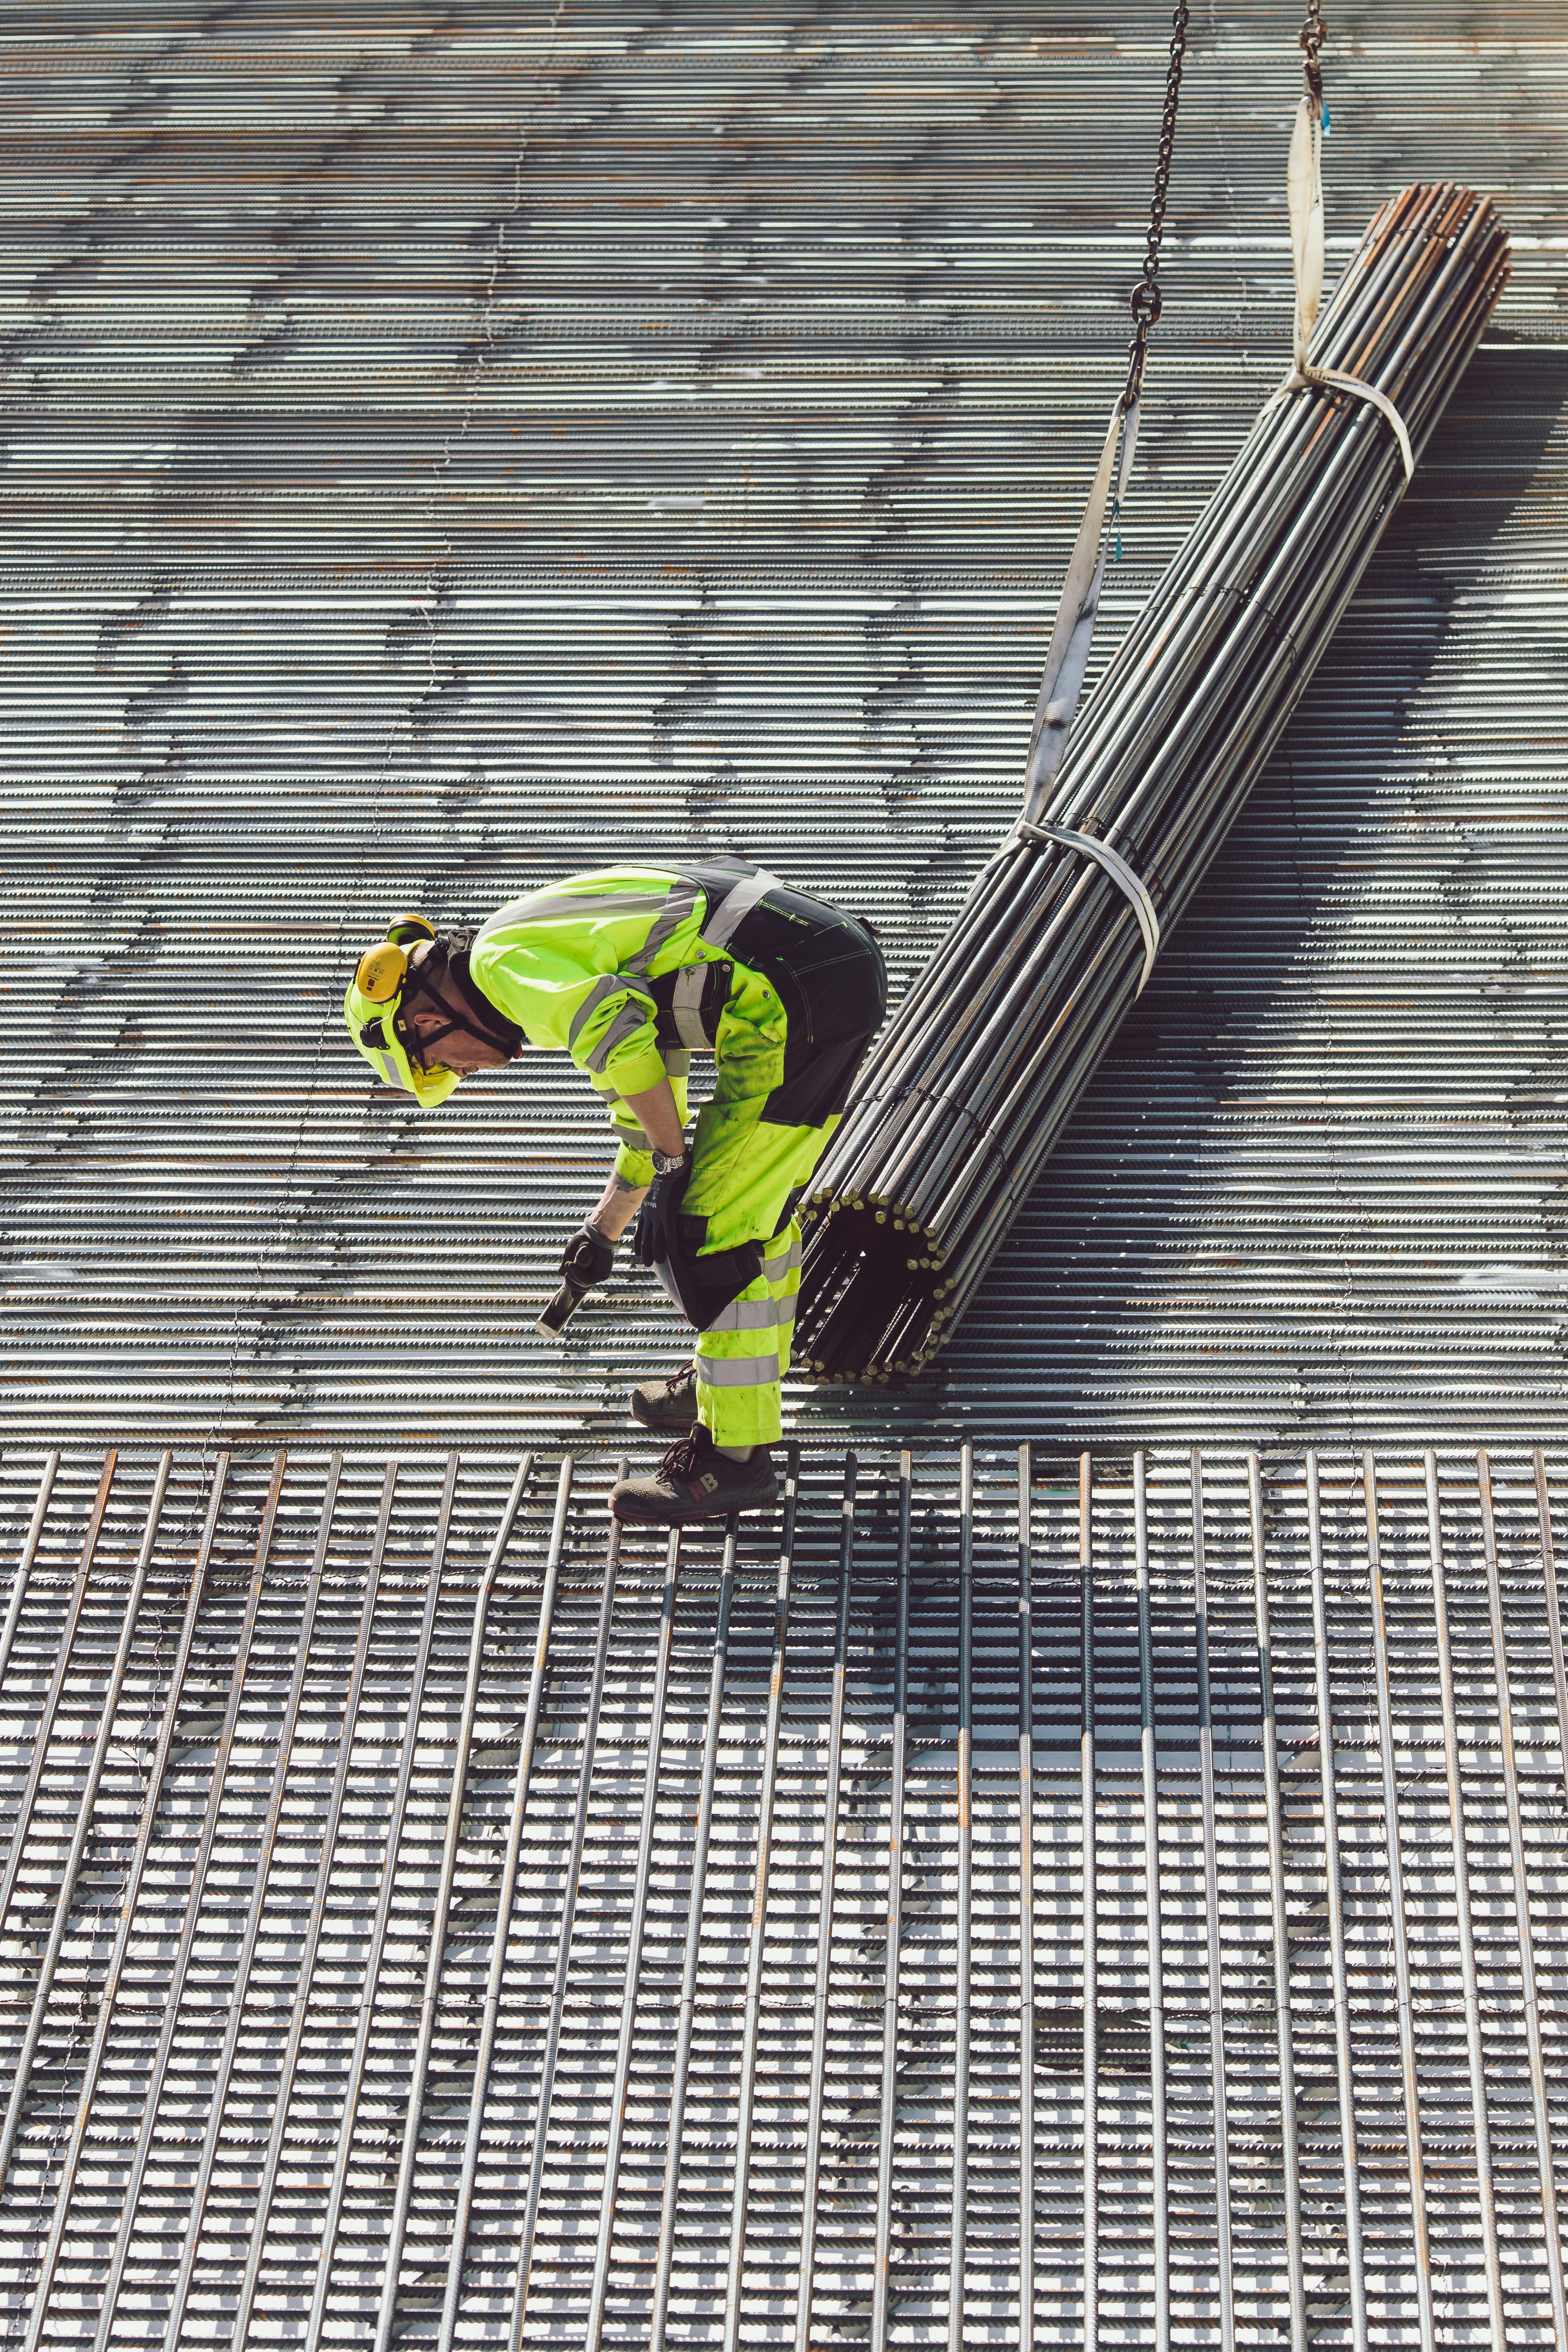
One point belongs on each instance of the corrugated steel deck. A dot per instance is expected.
(447, 444)
(398, 1811)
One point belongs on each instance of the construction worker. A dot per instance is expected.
(628, 970)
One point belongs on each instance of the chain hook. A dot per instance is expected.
(1314, 33)
(1146, 301)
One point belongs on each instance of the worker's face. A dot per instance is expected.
(459, 1050)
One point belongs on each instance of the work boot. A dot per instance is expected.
(695, 1481)
(669, 1403)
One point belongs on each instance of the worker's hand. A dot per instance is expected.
(585, 1261)
(655, 1235)
(587, 1257)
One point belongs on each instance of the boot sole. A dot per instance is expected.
(635, 1517)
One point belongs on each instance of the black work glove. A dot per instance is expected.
(585, 1261)
(654, 1240)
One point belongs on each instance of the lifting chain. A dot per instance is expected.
(1314, 33)
(1146, 301)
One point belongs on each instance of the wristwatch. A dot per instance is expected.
(665, 1163)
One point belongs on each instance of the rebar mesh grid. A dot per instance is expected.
(360, 1814)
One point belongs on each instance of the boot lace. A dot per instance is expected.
(682, 1460)
(679, 1378)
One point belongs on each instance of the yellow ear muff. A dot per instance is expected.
(408, 929)
(380, 973)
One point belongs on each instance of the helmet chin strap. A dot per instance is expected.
(418, 1043)
(477, 1017)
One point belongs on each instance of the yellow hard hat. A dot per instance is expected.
(372, 1007)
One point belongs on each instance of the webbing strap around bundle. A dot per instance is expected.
(1304, 187)
(1303, 379)
(1131, 883)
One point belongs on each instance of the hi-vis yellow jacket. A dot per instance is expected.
(630, 967)
(575, 964)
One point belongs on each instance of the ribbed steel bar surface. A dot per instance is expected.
(450, 442)
(429, 1920)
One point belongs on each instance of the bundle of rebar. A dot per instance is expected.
(970, 1088)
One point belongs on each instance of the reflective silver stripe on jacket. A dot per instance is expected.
(611, 983)
(736, 905)
(674, 904)
(549, 906)
(686, 1005)
(626, 1023)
